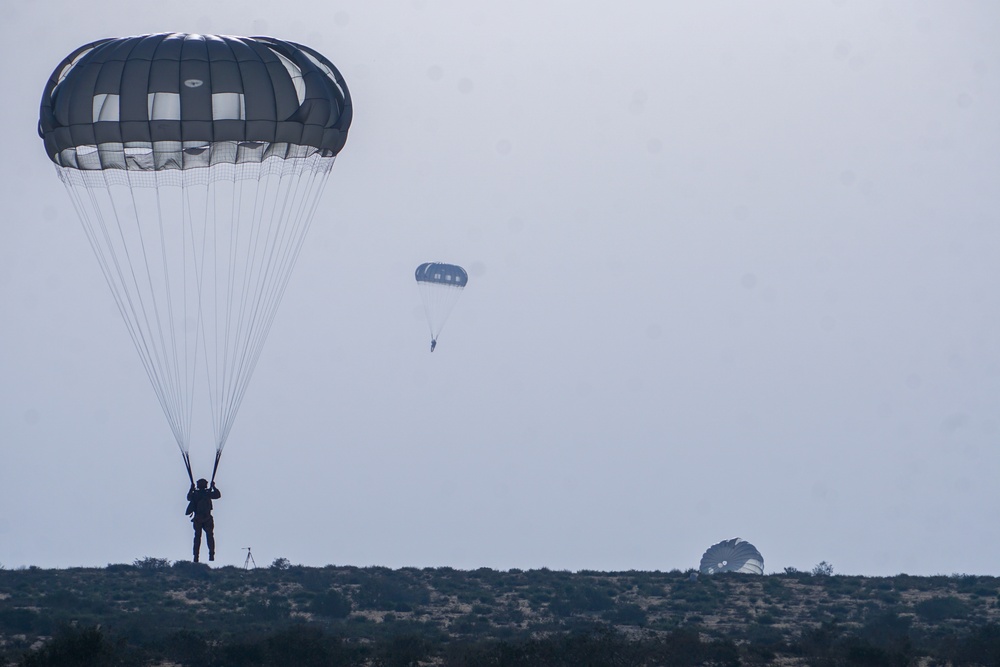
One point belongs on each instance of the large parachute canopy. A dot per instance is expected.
(733, 555)
(440, 286)
(196, 163)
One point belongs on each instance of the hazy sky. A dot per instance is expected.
(733, 272)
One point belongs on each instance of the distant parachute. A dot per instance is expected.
(196, 163)
(733, 555)
(440, 286)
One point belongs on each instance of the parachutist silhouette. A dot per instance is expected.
(440, 285)
(200, 505)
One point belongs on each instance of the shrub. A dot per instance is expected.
(941, 608)
(390, 592)
(577, 599)
(331, 604)
(190, 648)
(402, 651)
(982, 647)
(295, 646)
(150, 563)
(822, 569)
(22, 621)
(80, 647)
(627, 614)
(262, 608)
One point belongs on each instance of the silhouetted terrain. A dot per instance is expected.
(155, 613)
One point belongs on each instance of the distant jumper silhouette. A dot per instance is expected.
(200, 506)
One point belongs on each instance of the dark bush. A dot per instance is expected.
(294, 646)
(402, 651)
(331, 604)
(261, 608)
(22, 621)
(150, 563)
(580, 599)
(193, 571)
(470, 624)
(627, 614)
(81, 647)
(982, 647)
(187, 648)
(938, 609)
(394, 593)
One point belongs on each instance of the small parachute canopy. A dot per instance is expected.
(442, 274)
(440, 286)
(735, 555)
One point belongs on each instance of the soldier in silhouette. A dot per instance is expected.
(200, 509)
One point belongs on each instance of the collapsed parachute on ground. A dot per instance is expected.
(440, 286)
(733, 555)
(196, 163)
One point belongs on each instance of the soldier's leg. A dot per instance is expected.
(197, 538)
(210, 537)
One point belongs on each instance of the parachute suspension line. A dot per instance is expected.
(182, 386)
(198, 259)
(229, 375)
(97, 230)
(428, 311)
(234, 377)
(214, 359)
(252, 268)
(293, 228)
(162, 377)
(439, 300)
(218, 381)
(90, 227)
(191, 347)
(247, 264)
(287, 249)
(300, 222)
(275, 270)
(284, 240)
(172, 390)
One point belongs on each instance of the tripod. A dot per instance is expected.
(249, 560)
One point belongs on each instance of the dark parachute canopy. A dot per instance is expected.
(440, 286)
(196, 163)
(163, 101)
(442, 274)
(733, 555)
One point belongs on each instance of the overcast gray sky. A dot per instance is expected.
(733, 272)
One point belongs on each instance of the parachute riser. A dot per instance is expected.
(187, 466)
(215, 468)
